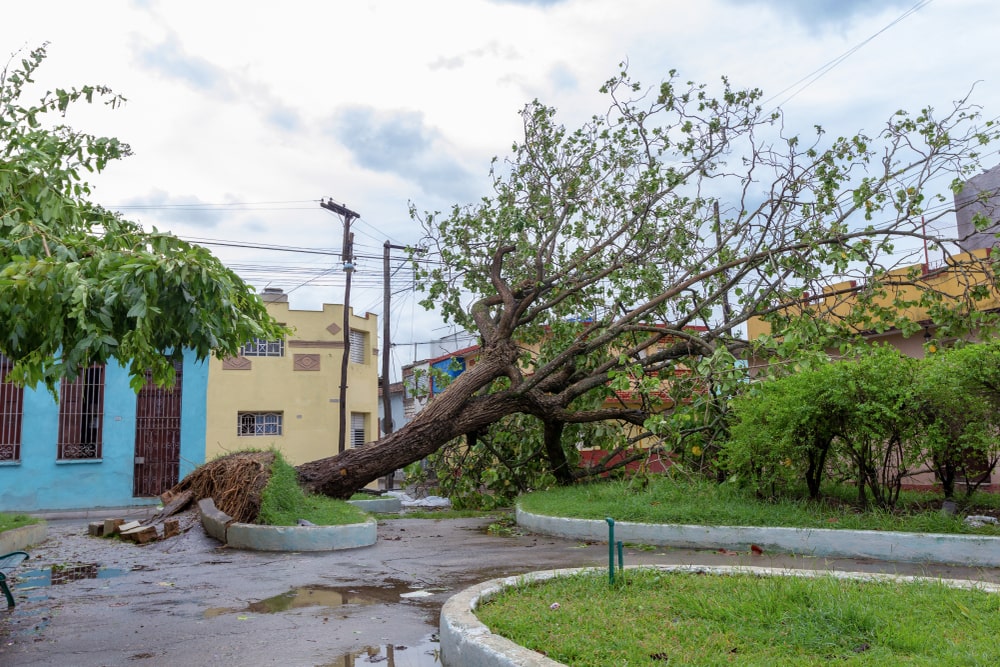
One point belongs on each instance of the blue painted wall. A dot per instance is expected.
(452, 367)
(40, 482)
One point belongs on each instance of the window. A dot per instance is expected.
(263, 348)
(358, 420)
(259, 423)
(81, 415)
(11, 410)
(358, 342)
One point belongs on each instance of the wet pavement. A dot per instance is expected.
(188, 601)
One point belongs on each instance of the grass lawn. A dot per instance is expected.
(652, 617)
(283, 502)
(681, 501)
(9, 521)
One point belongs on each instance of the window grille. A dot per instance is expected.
(81, 415)
(358, 343)
(263, 348)
(358, 420)
(11, 412)
(259, 424)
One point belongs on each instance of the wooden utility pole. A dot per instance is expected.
(387, 424)
(727, 309)
(347, 256)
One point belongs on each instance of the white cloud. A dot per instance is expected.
(383, 102)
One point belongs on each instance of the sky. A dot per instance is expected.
(243, 115)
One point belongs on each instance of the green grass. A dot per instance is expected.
(673, 500)
(10, 521)
(659, 618)
(283, 502)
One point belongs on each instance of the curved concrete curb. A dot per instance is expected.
(284, 538)
(388, 505)
(466, 642)
(18, 539)
(971, 550)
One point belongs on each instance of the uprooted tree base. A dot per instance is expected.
(234, 482)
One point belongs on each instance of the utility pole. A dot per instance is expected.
(347, 256)
(387, 424)
(727, 309)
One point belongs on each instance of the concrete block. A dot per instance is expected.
(95, 528)
(111, 526)
(140, 534)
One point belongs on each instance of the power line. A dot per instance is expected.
(816, 74)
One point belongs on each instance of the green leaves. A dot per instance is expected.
(80, 285)
(871, 419)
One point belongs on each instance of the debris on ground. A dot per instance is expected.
(159, 527)
(407, 500)
(979, 520)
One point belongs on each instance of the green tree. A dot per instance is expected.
(79, 285)
(663, 224)
(783, 431)
(957, 396)
(879, 432)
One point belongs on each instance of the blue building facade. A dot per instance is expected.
(101, 445)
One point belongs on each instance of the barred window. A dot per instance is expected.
(259, 423)
(81, 415)
(359, 341)
(263, 348)
(358, 420)
(11, 413)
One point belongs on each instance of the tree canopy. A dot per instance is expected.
(629, 252)
(79, 284)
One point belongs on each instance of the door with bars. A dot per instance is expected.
(157, 437)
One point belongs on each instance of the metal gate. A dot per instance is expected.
(157, 437)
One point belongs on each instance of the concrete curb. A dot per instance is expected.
(19, 539)
(970, 550)
(466, 642)
(388, 505)
(284, 538)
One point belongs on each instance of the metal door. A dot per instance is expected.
(157, 437)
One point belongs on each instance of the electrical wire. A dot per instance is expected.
(818, 73)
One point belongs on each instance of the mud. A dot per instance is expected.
(188, 601)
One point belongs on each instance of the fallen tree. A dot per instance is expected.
(637, 246)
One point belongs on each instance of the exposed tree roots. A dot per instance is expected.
(235, 482)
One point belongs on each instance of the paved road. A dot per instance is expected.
(187, 601)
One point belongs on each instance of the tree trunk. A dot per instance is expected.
(554, 451)
(454, 412)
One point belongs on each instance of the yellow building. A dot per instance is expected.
(958, 280)
(286, 393)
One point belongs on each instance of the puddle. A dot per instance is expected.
(327, 596)
(425, 654)
(63, 574)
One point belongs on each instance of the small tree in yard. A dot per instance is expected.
(783, 432)
(879, 433)
(956, 399)
(78, 284)
(674, 208)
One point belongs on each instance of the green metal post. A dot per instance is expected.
(611, 550)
